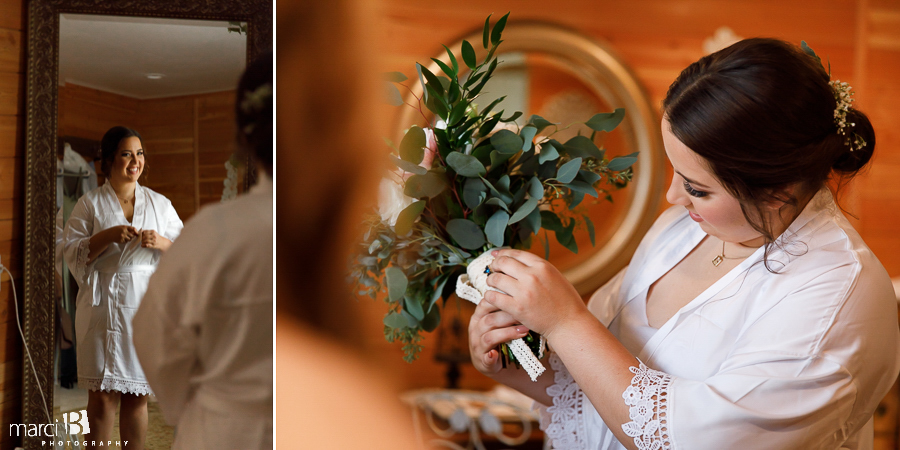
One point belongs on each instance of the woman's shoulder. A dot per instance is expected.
(827, 241)
(828, 262)
(235, 219)
(91, 196)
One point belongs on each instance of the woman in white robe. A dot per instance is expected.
(204, 330)
(112, 243)
(752, 315)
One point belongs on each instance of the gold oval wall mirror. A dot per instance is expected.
(64, 96)
(566, 77)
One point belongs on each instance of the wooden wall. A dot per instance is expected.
(187, 138)
(87, 113)
(216, 136)
(657, 39)
(12, 150)
(877, 72)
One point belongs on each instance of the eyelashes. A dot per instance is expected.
(693, 192)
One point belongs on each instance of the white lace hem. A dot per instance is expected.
(114, 384)
(647, 398)
(563, 422)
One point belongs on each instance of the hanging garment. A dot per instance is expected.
(204, 330)
(74, 176)
(760, 360)
(111, 285)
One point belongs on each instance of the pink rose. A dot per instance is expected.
(431, 148)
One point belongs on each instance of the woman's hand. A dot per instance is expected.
(488, 328)
(154, 240)
(539, 296)
(122, 234)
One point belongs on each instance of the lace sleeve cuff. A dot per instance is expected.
(84, 266)
(647, 398)
(563, 422)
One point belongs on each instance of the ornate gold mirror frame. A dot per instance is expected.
(595, 65)
(40, 162)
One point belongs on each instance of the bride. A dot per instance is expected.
(112, 243)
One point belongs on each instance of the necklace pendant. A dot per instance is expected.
(717, 260)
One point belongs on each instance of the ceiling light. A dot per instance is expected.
(155, 76)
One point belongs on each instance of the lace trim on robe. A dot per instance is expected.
(81, 257)
(563, 422)
(112, 384)
(647, 398)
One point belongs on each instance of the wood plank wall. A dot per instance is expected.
(877, 70)
(187, 138)
(12, 150)
(216, 137)
(168, 127)
(657, 39)
(877, 195)
(87, 113)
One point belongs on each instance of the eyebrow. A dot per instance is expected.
(692, 181)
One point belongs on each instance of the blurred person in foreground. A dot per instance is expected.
(204, 331)
(330, 145)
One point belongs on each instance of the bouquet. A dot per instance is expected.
(473, 179)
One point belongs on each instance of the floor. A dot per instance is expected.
(159, 435)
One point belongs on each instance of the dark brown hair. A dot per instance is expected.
(254, 119)
(109, 146)
(761, 114)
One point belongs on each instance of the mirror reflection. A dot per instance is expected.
(173, 82)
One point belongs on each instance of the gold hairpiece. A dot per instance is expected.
(844, 97)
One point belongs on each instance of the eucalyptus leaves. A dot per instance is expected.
(472, 180)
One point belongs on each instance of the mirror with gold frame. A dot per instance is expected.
(43, 94)
(566, 77)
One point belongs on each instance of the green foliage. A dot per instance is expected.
(492, 182)
(412, 145)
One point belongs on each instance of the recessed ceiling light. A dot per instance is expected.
(155, 76)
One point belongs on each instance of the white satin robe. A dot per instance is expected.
(204, 330)
(795, 360)
(111, 286)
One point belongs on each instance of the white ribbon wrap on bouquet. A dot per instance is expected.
(472, 287)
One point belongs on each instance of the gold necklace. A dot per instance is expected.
(719, 258)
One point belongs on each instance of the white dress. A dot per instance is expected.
(793, 360)
(111, 286)
(204, 330)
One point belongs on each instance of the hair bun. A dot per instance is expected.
(853, 157)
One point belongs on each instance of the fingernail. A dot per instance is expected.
(522, 329)
(495, 252)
